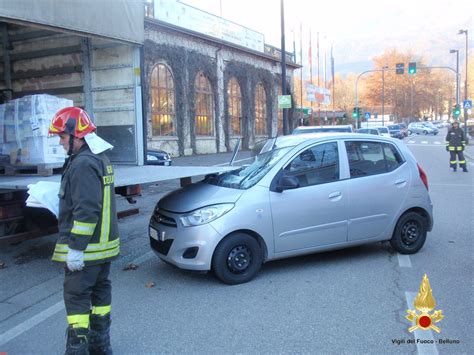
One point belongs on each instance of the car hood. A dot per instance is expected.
(198, 195)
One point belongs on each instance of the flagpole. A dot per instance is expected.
(311, 72)
(319, 103)
(301, 71)
(333, 97)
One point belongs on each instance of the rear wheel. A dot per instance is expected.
(425, 133)
(237, 259)
(410, 233)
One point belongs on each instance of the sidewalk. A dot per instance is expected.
(469, 150)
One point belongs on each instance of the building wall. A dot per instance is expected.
(187, 55)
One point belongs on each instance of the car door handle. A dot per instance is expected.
(335, 195)
(401, 182)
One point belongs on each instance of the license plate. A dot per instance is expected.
(154, 233)
(167, 163)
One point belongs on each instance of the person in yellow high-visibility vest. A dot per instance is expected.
(455, 144)
(88, 233)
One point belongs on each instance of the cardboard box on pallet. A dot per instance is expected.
(25, 124)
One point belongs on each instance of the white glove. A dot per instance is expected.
(75, 260)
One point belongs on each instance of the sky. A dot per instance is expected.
(357, 30)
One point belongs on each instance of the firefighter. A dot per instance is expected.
(455, 144)
(88, 232)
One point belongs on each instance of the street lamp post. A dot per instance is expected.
(457, 73)
(465, 83)
(383, 93)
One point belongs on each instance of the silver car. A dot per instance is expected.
(422, 128)
(306, 193)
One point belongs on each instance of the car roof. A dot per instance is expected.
(294, 140)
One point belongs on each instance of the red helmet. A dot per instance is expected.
(72, 120)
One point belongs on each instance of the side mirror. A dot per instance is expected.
(287, 183)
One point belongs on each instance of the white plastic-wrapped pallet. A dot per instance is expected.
(25, 123)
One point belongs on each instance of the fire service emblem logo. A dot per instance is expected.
(424, 303)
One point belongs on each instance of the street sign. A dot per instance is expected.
(467, 104)
(284, 101)
(367, 115)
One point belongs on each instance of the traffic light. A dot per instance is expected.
(356, 112)
(412, 68)
(400, 68)
(456, 111)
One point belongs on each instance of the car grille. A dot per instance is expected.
(161, 247)
(165, 220)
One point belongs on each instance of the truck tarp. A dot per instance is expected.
(124, 175)
(118, 19)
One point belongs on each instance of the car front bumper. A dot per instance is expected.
(189, 248)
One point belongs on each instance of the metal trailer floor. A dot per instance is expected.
(124, 175)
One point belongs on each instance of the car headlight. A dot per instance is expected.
(151, 157)
(205, 215)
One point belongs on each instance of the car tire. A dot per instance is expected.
(237, 259)
(425, 133)
(410, 233)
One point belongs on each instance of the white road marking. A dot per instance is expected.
(403, 260)
(51, 311)
(30, 323)
(430, 349)
(437, 142)
(424, 142)
(411, 141)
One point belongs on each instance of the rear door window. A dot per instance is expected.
(316, 165)
(372, 158)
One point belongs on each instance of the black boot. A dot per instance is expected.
(77, 343)
(99, 338)
(464, 169)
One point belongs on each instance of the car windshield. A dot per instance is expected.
(245, 177)
(383, 129)
(394, 127)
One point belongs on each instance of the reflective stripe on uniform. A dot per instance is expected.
(462, 162)
(459, 148)
(453, 161)
(83, 228)
(101, 311)
(78, 320)
(95, 251)
(451, 148)
(105, 227)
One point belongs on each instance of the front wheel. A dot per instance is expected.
(410, 233)
(425, 133)
(237, 259)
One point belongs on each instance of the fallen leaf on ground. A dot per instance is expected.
(130, 266)
(150, 284)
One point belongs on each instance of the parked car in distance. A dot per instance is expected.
(403, 128)
(383, 131)
(395, 131)
(319, 129)
(307, 193)
(422, 128)
(157, 157)
(373, 131)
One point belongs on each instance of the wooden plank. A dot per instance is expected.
(31, 170)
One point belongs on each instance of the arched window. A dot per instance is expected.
(260, 111)
(235, 107)
(163, 114)
(204, 106)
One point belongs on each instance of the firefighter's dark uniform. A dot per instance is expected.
(455, 143)
(88, 222)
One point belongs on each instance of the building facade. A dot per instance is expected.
(201, 94)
